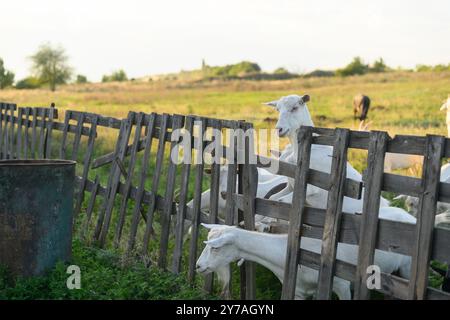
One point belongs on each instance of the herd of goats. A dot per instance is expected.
(228, 244)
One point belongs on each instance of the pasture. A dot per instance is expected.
(402, 103)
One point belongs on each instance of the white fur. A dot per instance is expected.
(446, 107)
(393, 161)
(412, 203)
(294, 113)
(227, 244)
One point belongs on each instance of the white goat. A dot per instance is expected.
(266, 182)
(228, 244)
(446, 107)
(293, 113)
(393, 161)
(442, 209)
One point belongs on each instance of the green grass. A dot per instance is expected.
(104, 275)
(402, 103)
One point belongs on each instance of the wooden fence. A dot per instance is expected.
(143, 203)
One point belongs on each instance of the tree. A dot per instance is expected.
(28, 83)
(281, 71)
(81, 79)
(50, 65)
(379, 66)
(6, 77)
(118, 75)
(356, 67)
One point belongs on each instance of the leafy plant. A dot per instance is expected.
(6, 77)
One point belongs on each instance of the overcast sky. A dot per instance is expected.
(149, 37)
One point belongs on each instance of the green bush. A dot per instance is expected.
(356, 67)
(320, 73)
(28, 83)
(81, 79)
(437, 68)
(118, 75)
(6, 76)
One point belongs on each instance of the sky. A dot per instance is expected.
(146, 37)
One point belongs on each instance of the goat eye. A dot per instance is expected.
(294, 109)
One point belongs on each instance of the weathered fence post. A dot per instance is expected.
(296, 213)
(434, 151)
(249, 189)
(373, 180)
(150, 130)
(199, 165)
(181, 213)
(177, 124)
(333, 214)
(214, 194)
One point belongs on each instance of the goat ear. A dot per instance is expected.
(220, 242)
(305, 98)
(401, 197)
(271, 103)
(444, 107)
(210, 226)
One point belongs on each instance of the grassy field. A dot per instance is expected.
(402, 103)
(406, 103)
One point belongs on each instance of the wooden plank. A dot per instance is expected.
(214, 194)
(26, 144)
(393, 236)
(333, 215)
(109, 157)
(6, 124)
(90, 207)
(41, 144)
(425, 217)
(390, 285)
(86, 166)
(115, 177)
(53, 114)
(184, 189)
(199, 165)
(296, 213)
(371, 206)
(317, 178)
(77, 137)
(128, 180)
(11, 136)
(177, 122)
(2, 120)
(33, 132)
(19, 134)
(155, 184)
(249, 184)
(102, 211)
(141, 184)
(65, 130)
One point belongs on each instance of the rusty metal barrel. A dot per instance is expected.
(36, 214)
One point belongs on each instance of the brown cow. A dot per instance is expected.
(361, 104)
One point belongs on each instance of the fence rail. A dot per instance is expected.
(143, 206)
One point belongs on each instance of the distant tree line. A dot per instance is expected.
(50, 67)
